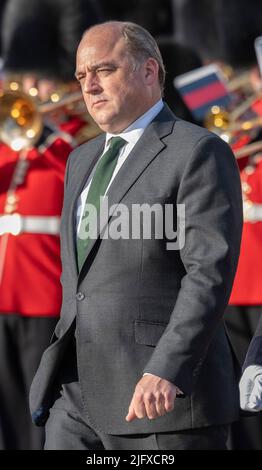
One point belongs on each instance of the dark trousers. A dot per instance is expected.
(22, 342)
(67, 429)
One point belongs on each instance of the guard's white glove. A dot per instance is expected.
(250, 387)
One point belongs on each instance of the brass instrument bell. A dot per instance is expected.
(217, 119)
(20, 120)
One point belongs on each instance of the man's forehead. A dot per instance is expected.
(94, 51)
(86, 53)
(111, 32)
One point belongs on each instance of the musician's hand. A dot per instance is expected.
(250, 387)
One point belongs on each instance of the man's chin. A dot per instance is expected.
(106, 123)
(102, 118)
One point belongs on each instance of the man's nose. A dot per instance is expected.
(91, 84)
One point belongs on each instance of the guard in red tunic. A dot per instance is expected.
(247, 288)
(31, 195)
(245, 303)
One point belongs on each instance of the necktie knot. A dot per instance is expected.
(116, 143)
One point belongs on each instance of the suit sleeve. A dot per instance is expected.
(254, 353)
(210, 189)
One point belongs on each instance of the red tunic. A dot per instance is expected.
(31, 267)
(247, 288)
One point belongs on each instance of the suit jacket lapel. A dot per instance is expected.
(146, 149)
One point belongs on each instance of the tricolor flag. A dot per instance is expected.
(202, 88)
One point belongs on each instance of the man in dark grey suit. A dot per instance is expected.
(140, 358)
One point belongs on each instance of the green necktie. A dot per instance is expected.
(101, 179)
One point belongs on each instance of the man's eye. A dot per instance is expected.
(104, 71)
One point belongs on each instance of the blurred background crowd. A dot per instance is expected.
(213, 79)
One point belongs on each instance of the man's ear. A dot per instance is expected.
(151, 68)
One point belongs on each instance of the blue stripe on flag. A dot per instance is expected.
(202, 82)
(201, 112)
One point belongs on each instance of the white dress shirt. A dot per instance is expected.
(131, 135)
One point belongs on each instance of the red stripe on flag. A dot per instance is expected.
(257, 107)
(197, 98)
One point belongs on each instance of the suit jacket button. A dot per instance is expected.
(80, 296)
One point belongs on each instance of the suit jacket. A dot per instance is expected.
(140, 308)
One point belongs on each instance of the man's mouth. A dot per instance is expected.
(98, 103)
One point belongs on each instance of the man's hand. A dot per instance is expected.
(153, 397)
(251, 389)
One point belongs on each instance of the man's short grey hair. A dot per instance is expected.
(140, 44)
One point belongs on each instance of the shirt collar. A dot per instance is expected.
(132, 133)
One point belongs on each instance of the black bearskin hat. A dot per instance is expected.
(219, 30)
(2, 7)
(41, 36)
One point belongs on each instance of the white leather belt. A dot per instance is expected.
(16, 224)
(252, 212)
